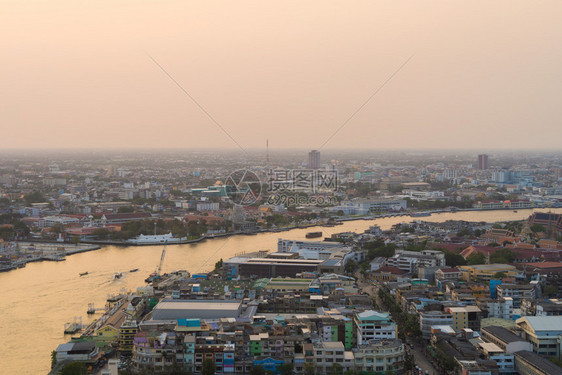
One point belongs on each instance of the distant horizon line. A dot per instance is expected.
(274, 150)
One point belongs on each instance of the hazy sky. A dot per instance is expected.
(485, 74)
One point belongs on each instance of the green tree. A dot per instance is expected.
(351, 266)
(100, 233)
(336, 369)
(453, 260)
(550, 291)
(34, 197)
(364, 267)
(53, 358)
(76, 240)
(257, 370)
(536, 228)
(476, 258)
(74, 368)
(218, 265)
(125, 210)
(285, 369)
(309, 369)
(208, 367)
(502, 256)
(57, 228)
(499, 275)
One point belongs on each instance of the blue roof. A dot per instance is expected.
(189, 322)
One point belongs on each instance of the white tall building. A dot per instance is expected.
(373, 325)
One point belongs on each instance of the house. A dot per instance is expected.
(448, 274)
(388, 273)
(77, 351)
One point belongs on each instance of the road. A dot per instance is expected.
(421, 359)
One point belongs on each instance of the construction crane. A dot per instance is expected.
(159, 269)
(156, 274)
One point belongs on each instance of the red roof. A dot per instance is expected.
(391, 269)
(545, 265)
(449, 270)
(132, 215)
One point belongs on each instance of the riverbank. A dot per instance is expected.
(45, 295)
(31, 252)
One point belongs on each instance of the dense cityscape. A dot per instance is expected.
(418, 295)
(291, 187)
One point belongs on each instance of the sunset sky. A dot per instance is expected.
(484, 74)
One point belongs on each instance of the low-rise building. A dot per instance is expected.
(486, 271)
(506, 340)
(373, 325)
(544, 332)
(529, 363)
(380, 356)
(77, 351)
(517, 292)
(326, 354)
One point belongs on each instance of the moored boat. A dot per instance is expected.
(314, 234)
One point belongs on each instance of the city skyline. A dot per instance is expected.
(482, 75)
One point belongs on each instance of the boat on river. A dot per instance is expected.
(84, 273)
(314, 234)
(74, 326)
(134, 270)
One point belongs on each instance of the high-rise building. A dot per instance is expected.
(314, 159)
(482, 162)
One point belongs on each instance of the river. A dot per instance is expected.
(41, 297)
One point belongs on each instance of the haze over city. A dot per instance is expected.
(483, 74)
(264, 187)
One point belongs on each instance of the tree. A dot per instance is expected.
(100, 233)
(499, 275)
(453, 260)
(351, 266)
(536, 228)
(76, 240)
(285, 369)
(74, 368)
(208, 367)
(53, 358)
(502, 256)
(125, 210)
(550, 290)
(257, 370)
(57, 228)
(218, 265)
(34, 197)
(309, 369)
(476, 258)
(364, 267)
(336, 369)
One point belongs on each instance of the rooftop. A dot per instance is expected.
(543, 323)
(544, 365)
(502, 334)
